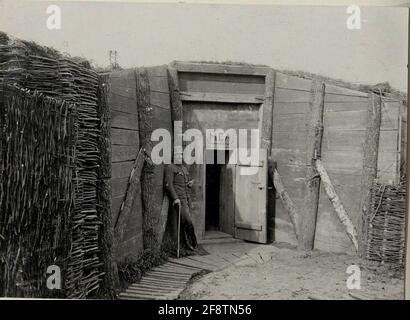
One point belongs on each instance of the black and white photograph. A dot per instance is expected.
(203, 151)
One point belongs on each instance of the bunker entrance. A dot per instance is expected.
(219, 202)
(213, 187)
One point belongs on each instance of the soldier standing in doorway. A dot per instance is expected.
(177, 185)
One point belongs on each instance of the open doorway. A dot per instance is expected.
(219, 201)
(213, 186)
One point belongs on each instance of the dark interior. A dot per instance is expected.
(213, 191)
(213, 172)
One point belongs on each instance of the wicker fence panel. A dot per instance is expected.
(62, 78)
(386, 234)
(37, 174)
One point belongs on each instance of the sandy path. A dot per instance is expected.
(289, 274)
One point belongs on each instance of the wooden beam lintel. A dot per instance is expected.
(221, 68)
(222, 97)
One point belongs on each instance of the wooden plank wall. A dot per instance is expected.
(389, 146)
(126, 144)
(289, 132)
(342, 150)
(161, 119)
(344, 120)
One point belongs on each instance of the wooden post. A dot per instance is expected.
(337, 204)
(176, 104)
(369, 173)
(267, 109)
(145, 115)
(106, 241)
(284, 196)
(407, 265)
(313, 151)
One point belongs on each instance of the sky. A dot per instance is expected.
(313, 39)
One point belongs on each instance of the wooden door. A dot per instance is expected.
(251, 202)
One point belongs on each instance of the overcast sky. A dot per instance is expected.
(313, 39)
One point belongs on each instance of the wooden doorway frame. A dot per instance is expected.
(264, 100)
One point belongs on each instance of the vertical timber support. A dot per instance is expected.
(407, 243)
(313, 152)
(369, 172)
(176, 103)
(267, 110)
(145, 114)
(176, 115)
(110, 279)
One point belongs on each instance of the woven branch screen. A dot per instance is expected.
(37, 174)
(66, 80)
(386, 232)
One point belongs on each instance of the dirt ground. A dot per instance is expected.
(290, 274)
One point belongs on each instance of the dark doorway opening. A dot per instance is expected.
(213, 174)
(215, 189)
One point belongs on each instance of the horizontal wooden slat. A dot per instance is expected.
(352, 160)
(346, 106)
(291, 174)
(290, 108)
(122, 91)
(292, 96)
(221, 83)
(388, 141)
(334, 139)
(115, 206)
(160, 99)
(124, 120)
(123, 153)
(290, 123)
(344, 178)
(159, 84)
(349, 120)
(157, 71)
(161, 119)
(121, 169)
(221, 97)
(221, 68)
(387, 167)
(125, 137)
(123, 83)
(289, 156)
(292, 82)
(333, 98)
(390, 116)
(333, 90)
(119, 186)
(123, 104)
(289, 139)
